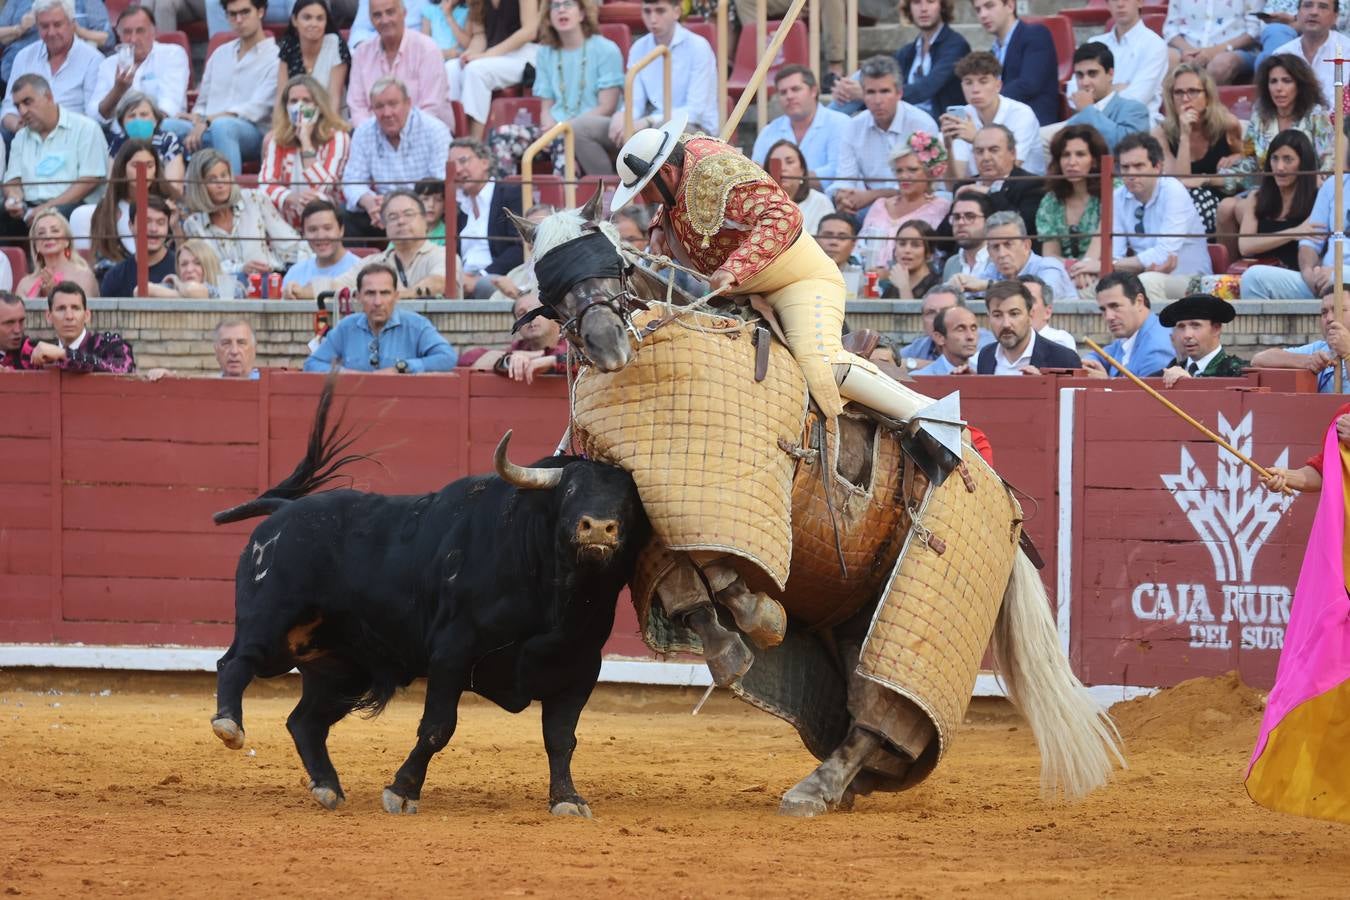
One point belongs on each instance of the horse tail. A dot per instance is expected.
(320, 465)
(1076, 738)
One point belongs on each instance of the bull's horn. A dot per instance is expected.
(521, 476)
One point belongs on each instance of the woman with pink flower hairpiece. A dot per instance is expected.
(918, 165)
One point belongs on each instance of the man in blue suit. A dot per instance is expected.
(1099, 105)
(1027, 54)
(927, 65)
(1142, 344)
(1020, 350)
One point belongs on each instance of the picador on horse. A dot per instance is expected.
(823, 535)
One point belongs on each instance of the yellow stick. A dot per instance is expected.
(1257, 467)
(1338, 167)
(765, 61)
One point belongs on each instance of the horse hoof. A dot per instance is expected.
(328, 797)
(802, 807)
(229, 732)
(397, 805)
(567, 808)
(760, 617)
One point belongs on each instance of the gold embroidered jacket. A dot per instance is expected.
(729, 214)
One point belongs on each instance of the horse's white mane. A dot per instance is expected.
(565, 225)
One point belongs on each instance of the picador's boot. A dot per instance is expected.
(761, 617)
(863, 383)
(725, 653)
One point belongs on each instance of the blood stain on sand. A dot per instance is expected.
(683, 805)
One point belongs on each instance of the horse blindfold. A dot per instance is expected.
(592, 255)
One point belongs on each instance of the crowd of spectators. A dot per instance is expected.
(319, 131)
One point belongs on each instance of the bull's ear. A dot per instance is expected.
(524, 226)
(590, 210)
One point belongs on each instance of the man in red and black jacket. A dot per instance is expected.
(77, 349)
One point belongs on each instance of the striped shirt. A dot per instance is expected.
(423, 146)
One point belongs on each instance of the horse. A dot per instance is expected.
(877, 729)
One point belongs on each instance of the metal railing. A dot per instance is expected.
(569, 164)
(661, 52)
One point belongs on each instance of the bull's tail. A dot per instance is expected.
(321, 464)
(1077, 740)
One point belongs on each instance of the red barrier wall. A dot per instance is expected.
(108, 486)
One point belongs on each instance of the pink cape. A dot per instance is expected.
(1299, 763)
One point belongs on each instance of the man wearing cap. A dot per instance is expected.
(1197, 322)
(723, 216)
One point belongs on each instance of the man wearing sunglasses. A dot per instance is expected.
(1159, 235)
(383, 339)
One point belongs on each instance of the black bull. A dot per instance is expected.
(504, 586)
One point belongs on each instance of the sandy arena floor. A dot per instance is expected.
(114, 784)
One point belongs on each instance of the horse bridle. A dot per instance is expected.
(557, 273)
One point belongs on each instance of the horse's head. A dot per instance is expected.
(582, 282)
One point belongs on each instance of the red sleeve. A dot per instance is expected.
(775, 221)
(980, 442)
(1316, 460)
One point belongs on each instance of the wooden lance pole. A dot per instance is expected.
(1338, 233)
(1256, 467)
(765, 61)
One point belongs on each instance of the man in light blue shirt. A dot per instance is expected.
(816, 129)
(1142, 344)
(73, 80)
(956, 332)
(864, 174)
(938, 298)
(322, 227)
(383, 338)
(1319, 356)
(1010, 256)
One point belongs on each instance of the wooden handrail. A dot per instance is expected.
(454, 286)
(723, 36)
(662, 52)
(1105, 190)
(761, 43)
(813, 38)
(569, 165)
(851, 39)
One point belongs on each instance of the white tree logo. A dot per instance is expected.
(1235, 516)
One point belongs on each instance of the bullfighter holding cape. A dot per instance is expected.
(725, 217)
(1299, 764)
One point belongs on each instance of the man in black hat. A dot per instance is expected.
(1197, 322)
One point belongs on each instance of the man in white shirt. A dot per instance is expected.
(237, 93)
(68, 65)
(1317, 44)
(981, 81)
(1140, 56)
(1042, 307)
(970, 211)
(1148, 205)
(160, 71)
(1220, 35)
(693, 75)
(864, 173)
(815, 129)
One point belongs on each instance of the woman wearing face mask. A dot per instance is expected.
(312, 46)
(242, 226)
(140, 118)
(306, 150)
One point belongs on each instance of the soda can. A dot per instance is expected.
(871, 284)
(254, 284)
(274, 285)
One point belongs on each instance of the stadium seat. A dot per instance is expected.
(794, 50)
(503, 111)
(705, 30)
(1154, 23)
(547, 189)
(1218, 257)
(115, 7)
(629, 14)
(588, 185)
(1061, 29)
(1238, 98)
(18, 262)
(364, 251)
(1095, 13)
(1153, 9)
(620, 34)
(247, 179)
(461, 121)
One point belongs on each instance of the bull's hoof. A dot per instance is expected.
(329, 798)
(568, 808)
(801, 806)
(229, 732)
(399, 806)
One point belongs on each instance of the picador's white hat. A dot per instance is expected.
(642, 156)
